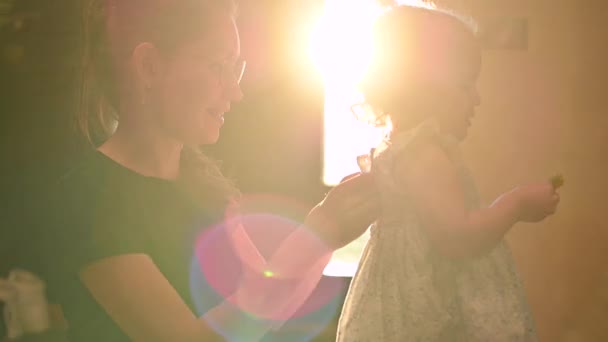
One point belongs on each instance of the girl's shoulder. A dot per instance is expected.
(402, 144)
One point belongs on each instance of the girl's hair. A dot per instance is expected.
(399, 47)
(111, 30)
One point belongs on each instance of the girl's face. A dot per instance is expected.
(455, 91)
(198, 83)
(434, 63)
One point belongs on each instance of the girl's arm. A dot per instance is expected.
(431, 182)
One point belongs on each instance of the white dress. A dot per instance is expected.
(405, 291)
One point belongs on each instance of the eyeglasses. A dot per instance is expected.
(232, 72)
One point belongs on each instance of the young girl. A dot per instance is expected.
(436, 267)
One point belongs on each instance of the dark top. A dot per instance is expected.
(102, 209)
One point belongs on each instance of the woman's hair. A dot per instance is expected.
(111, 30)
(402, 37)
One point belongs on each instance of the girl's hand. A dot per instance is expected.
(536, 201)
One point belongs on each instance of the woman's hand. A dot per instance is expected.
(347, 210)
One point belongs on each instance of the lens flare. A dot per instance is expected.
(296, 304)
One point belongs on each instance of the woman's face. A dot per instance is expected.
(197, 84)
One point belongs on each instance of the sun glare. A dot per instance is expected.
(341, 49)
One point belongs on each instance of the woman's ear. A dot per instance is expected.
(146, 62)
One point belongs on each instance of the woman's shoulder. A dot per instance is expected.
(85, 170)
(91, 204)
(71, 200)
(90, 176)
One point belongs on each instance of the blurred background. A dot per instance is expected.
(543, 112)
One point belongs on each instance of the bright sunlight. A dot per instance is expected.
(341, 49)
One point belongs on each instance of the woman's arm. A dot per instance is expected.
(141, 301)
(344, 215)
(346, 212)
(146, 307)
(277, 287)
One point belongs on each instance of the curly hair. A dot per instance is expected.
(399, 35)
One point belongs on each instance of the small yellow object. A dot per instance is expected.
(557, 181)
(268, 274)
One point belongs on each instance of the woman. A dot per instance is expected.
(124, 221)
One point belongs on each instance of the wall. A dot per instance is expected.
(543, 112)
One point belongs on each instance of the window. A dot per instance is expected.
(341, 49)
